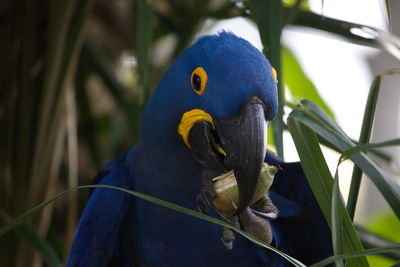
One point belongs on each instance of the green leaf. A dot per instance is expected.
(365, 147)
(358, 254)
(338, 27)
(20, 219)
(269, 19)
(355, 33)
(379, 154)
(321, 183)
(372, 240)
(144, 34)
(299, 84)
(317, 120)
(37, 242)
(337, 227)
(389, 13)
(365, 134)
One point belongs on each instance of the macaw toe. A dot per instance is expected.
(266, 209)
(228, 235)
(256, 225)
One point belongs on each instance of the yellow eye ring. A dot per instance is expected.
(198, 80)
(274, 74)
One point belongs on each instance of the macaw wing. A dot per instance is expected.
(97, 240)
(305, 232)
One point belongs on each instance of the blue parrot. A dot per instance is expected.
(208, 116)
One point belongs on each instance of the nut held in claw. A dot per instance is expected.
(226, 188)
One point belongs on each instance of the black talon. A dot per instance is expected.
(201, 205)
(228, 244)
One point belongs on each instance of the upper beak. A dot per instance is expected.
(242, 141)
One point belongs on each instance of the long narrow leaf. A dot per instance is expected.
(321, 182)
(335, 26)
(317, 120)
(372, 251)
(20, 219)
(366, 147)
(371, 240)
(356, 33)
(144, 32)
(41, 245)
(389, 12)
(337, 238)
(377, 153)
(365, 134)
(269, 18)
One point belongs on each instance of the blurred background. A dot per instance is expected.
(76, 74)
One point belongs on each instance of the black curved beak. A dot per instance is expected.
(243, 141)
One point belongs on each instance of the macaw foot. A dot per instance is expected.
(254, 222)
(228, 235)
(265, 208)
(255, 225)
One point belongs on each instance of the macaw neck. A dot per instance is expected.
(168, 172)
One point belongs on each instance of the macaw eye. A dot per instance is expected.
(198, 80)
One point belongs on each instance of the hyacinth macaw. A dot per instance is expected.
(208, 115)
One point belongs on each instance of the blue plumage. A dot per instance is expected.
(119, 230)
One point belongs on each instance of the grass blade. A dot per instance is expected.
(365, 135)
(337, 237)
(389, 12)
(321, 183)
(41, 245)
(364, 253)
(355, 33)
(144, 34)
(72, 149)
(269, 18)
(371, 240)
(377, 153)
(365, 147)
(20, 219)
(338, 27)
(317, 120)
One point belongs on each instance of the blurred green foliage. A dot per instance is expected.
(386, 225)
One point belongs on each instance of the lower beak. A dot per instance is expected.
(244, 141)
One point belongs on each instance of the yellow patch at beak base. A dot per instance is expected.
(188, 119)
(274, 74)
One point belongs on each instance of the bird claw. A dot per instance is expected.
(266, 208)
(255, 222)
(268, 216)
(202, 206)
(228, 243)
(228, 238)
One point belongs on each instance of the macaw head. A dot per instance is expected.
(216, 100)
